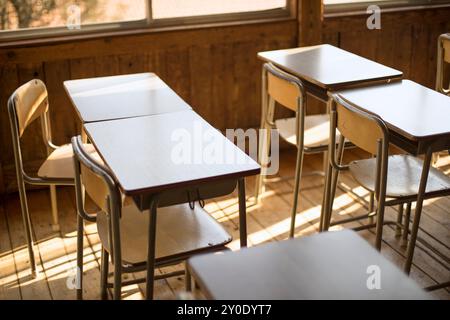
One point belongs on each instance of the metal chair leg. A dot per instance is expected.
(263, 139)
(325, 200)
(80, 249)
(27, 225)
(104, 274)
(298, 176)
(379, 227)
(406, 225)
(371, 206)
(54, 204)
(188, 279)
(398, 229)
(334, 180)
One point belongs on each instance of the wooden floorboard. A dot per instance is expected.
(267, 221)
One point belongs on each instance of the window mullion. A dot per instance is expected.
(149, 12)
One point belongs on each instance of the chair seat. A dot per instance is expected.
(180, 232)
(59, 164)
(317, 131)
(404, 173)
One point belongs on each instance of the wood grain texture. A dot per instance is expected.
(213, 69)
(267, 222)
(216, 66)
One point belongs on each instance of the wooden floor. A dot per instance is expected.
(268, 221)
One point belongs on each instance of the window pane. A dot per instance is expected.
(20, 14)
(162, 9)
(368, 2)
(351, 1)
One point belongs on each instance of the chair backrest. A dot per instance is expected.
(95, 178)
(443, 67)
(27, 103)
(101, 188)
(284, 88)
(363, 129)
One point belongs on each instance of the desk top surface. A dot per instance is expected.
(124, 96)
(331, 265)
(154, 153)
(408, 108)
(328, 66)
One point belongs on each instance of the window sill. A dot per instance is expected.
(91, 35)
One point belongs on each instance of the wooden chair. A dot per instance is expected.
(309, 133)
(394, 179)
(182, 231)
(443, 64)
(28, 103)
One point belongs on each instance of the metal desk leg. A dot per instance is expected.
(151, 249)
(418, 211)
(242, 213)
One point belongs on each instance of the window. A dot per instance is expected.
(332, 6)
(28, 18)
(163, 9)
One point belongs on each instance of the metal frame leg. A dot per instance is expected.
(298, 176)
(27, 225)
(398, 229)
(104, 274)
(151, 250)
(406, 225)
(263, 139)
(242, 213)
(54, 204)
(187, 278)
(325, 200)
(332, 190)
(418, 211)
(371, 206)
(80, 248)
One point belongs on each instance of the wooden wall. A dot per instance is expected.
(214, 69)
(406, 41)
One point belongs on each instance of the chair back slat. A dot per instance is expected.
(95, 187)
(30, 101)
(361, 130)
(443, 64)
(446, 46)
(93, 176)
(283, 91)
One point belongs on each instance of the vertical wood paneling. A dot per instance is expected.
(32, 143)
(64, 120)
(200, 64)
(8, 83)
(222, 85)
(132, 63)
(178, 72)
(107, 65)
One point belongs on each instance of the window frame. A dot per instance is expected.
(150, 24)
(345, 9)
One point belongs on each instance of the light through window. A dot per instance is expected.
(162, 9)
(29, 18)
(24, 14)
